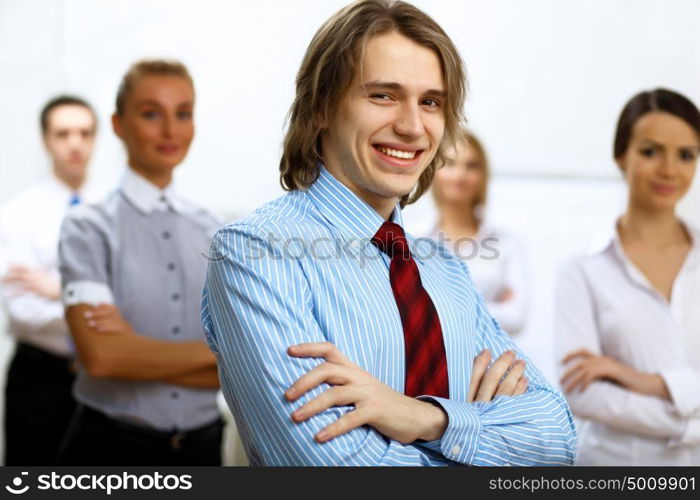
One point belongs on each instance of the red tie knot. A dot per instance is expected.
(391, 240)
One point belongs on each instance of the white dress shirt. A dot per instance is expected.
(606, 305)
(30, 223)
(496, 261)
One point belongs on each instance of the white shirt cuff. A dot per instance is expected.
(690, 436)
(682, 383)
(87, 292)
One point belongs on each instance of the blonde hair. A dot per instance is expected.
(478, 147)
(329, 67)
(148, 67)
(469, 139)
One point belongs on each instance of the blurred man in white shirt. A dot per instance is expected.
(38, 400)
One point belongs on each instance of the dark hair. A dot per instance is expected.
(62, 100)
(647, 102)
(329, 65)
(467, 138)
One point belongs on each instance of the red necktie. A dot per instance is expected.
(426, 362)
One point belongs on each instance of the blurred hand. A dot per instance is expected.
(592, 367)
(106, 318)
(505, 295)
(504, 378)
(36, 281)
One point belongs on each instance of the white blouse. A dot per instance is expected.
(606, 305)
(496, 261)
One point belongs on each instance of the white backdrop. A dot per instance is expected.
(548, 79)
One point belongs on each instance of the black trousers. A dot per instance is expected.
(94, 438)
(38, 406)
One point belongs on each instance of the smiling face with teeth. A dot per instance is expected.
(388, 124)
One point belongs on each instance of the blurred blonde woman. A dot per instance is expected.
(132, 272)
(495, 257)
(628, 322)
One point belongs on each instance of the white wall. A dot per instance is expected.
(562, 216)
(548, 79)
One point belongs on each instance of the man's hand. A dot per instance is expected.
(394, 415)
(106, 318)
(504, 378)
(594, 367)
(36, 281)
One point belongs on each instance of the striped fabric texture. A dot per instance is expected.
(302, 268)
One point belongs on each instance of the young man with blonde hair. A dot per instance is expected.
(341, 340)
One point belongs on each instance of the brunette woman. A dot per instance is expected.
(628, 322)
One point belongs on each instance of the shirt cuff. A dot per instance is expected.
(690, 436)
(87, 292)
(683, 384)
(460, 440)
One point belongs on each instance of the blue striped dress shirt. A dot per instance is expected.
(302, 269)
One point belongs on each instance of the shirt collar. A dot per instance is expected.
(354, 219)
(61, 190)
(610, 241)
(147, 197)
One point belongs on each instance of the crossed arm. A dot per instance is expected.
(391, 413)
(28, 289)
(34, 281)
(106, 344)
(108, 347)
(606, 390)
(296, 409)
(590, 367)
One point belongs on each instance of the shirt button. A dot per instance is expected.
(174, 395)
(166, 235)
(176, 297)
(455, 450)
(171, 266)
(162, 198)
(176, 330)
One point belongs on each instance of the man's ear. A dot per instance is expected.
(117, 125)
